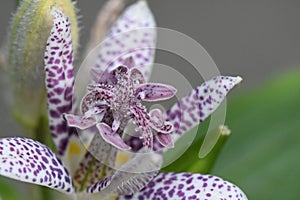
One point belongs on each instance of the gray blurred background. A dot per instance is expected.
(254, 39)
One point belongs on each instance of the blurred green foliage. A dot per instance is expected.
(262, 154)
(8, 191)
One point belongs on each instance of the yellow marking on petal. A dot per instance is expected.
(74, 149)
(122, 157)
(74, 154)
(97, 196)
(113, 197)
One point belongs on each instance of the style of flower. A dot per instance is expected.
(122, 97)
(112, 100)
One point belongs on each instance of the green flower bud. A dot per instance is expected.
(29, 31)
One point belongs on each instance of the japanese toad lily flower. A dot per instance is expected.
(123, 96)
(113, 100)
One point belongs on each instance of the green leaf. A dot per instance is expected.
(262, 154)
(203, 165)
(8, 190)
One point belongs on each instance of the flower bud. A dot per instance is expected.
(29, 32)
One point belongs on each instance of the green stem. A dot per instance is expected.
(104, 167)
(87, 174)
(201, 165)
(89, 170)
(42, 134)
(205, 165)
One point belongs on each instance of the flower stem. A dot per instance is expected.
(205, 164)
(85, 179)
(42, 134)
(207, 155)
(104, 168)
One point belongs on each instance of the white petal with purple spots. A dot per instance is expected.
(30, 161)
(134, 34)
(200, 103)
(99, 186)
(187, 186)
(155, 92)
(59, 78)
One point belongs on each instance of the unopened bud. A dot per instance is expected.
(29, 32)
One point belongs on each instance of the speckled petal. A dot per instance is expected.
(134, 34)
(30, 161)
(136, 77)
(79, 121)
(200, 103)
(59, 78)
(96, 73)
(99, 95)
(155, 92)
(89, 119)
(188, 186)
(164, 128)
(112, 137)
(142, 120)
(99, 186)
(129, 62)
(157, 116)
(132, 176)
(165, 140)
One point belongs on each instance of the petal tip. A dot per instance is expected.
(239, 79)
(165, 140)
(55, 11)
(111, 137)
